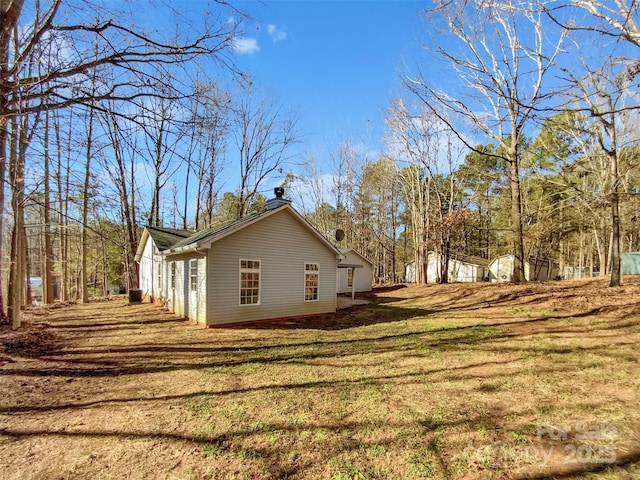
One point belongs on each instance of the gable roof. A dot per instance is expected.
(470, 259)
(165, 237)
(162, 237)
(344, 251)
(197, 239)
(206, 238)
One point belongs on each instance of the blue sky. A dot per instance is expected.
(337, 62)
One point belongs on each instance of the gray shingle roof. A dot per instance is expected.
(166, 237)
(216, 231)
(173, 241)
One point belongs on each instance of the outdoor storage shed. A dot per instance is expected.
(630, 263)
(501, 269)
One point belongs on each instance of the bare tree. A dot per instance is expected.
(499, 55)
(209, 125)
(90, 38)
(615, 19)
(603, 90)
(424, 148)
(120, 166)
(264, 135)
(376, 208)
(604, 95)
(345, 168)
(411, 141)
(9, 17)
(160, 121)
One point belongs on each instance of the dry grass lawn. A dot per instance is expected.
(458, 381)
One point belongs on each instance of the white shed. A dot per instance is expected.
(501, 269)
(630, 263)
(462, 268)
(410, 272)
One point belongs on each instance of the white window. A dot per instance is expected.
(193, 275)
(249, 282)
(173, 274)
(349, 277)
(311, 281)
(159, 275)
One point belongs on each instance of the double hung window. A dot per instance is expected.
(311, 281)
(193, 275)
(249, 282)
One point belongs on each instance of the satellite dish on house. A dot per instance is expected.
(339, 235)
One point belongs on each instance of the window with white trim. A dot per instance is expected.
(193, 275)
(249, 282)
(311, 281)
(173, 274)
(159, 275)
(349, 277)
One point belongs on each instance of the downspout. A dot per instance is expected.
(335, 297)
(353, 283)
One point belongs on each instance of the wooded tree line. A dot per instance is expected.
(555, 174)
(99, 117)
(529, 148)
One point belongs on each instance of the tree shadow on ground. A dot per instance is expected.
(430, 340)
(356, 316)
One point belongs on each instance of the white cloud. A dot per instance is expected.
(245, 45)
(276, 33)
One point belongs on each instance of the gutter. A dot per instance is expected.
(186, 249)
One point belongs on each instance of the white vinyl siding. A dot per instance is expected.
(284, 246)
(249, 282)
(189, 294)
(361, 277)
(311, 282)
(150, 268)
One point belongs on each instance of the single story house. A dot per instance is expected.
(501, 269)
(153, 267)
(355, 272)
(268, 265)
(462, 268)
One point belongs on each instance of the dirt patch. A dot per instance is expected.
(30, 341)
(469, 381)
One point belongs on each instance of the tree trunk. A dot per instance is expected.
(516, 213)
(84, 291)
(4, 136)
(16, 270)
(47, 283)
(26, 262)
(9, 15)
(615, 280)
(602, 257)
